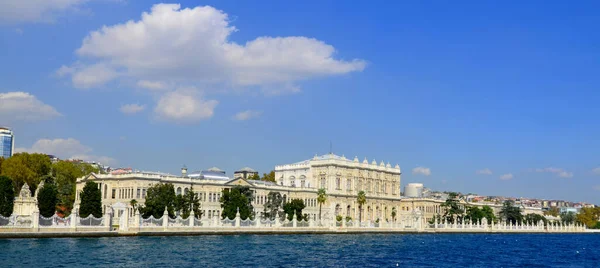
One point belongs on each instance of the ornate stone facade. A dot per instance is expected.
(342, 179)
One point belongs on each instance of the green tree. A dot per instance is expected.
(7, 196)
(272, 206)
(254, 177)
(134, 204)
(158, 197)
(234, 198)
(452, 207)
(488, 213)
(394, 213)
(1, 160)
(66, 174)
(91, 200)
(568, 217)
(533, 218)
(361, 199)
(186, 202)
(321, 198)
(47, 199)
(26, 168)
(269, 177)
(511, 213)
(589, 216)
(294, 207)
(475, 214)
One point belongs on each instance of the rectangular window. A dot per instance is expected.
(114, 193)
(338, 183)
(143, 193)
(138, 193)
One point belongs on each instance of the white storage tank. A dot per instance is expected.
(413, 190)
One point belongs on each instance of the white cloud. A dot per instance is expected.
(17, 11)
(507, 176)
(67, 149)
(485, 171)
(191, 46)
(185, 106)
(558, 171)
(152, 85)
(245, 115)
(22, 106)
(421, 171)
(132, 108)
(596, 171)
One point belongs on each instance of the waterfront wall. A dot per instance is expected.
(36, 225)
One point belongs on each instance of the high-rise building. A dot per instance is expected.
(7, 142)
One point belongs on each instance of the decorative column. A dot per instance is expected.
(108, 218)
(192, 217)
(165, 219)
(257, 222)
(35, 221)
(74, 219)
(276, 220)
(136, 219)
(237, 218)
(294, 222)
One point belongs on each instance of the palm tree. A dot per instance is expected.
(321, 198)
(133, 203)
(361, 199)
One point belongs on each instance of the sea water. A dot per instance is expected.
(335, 250)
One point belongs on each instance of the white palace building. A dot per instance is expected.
(341, 177)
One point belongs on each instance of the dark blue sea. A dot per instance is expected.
(362, 250)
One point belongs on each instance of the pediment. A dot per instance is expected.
(239, 182)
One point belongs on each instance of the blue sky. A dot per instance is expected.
(443, 89)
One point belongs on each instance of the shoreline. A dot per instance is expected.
(98, 234)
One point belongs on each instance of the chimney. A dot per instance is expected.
(184, 171)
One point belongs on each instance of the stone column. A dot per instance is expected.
(192, 217)
(294, 222)
(35, 219)
(237, 218)
(165, 219)
(108, 218)
(258, 222)
(136, 219)
(74, 219)
(276, 220)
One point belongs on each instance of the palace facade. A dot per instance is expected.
(342, 178)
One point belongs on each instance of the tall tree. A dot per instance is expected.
(488, 213)
(66, 174)
(475, 214)
(234, 198)
(269, 176)
(294, 207)
(1, 160)
(158, 197)
(321, 198)
(533, 218)
(7, 196)
(272, 206)
(48, 199)
(91, 200)
(186, 202)
(568, 217)
(254, 177)
(361, 199)
(26, 168)
(452, 207)
(511, 213)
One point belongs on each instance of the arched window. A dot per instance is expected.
(178, 190)
(185, 191)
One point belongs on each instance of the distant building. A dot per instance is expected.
(7, 142)
(245, 173)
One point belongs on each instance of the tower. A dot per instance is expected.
(184, 171)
